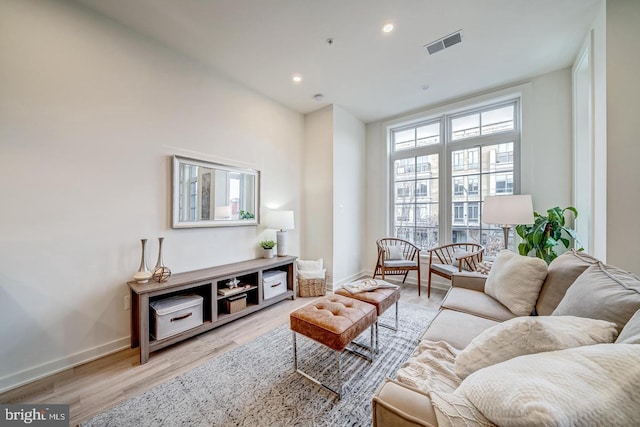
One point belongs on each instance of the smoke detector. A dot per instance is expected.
(318, 97)
(444, 42)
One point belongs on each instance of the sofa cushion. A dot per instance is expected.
(561, 274)
(515, 281)
(602, 292)
(456, 328)
(631, 332)
(531, 334)
(444, 268)
(594, 385)
(478, 303)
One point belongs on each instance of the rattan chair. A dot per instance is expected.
(397, 257)
(454, 257)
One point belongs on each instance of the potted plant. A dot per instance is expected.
(267, 248)
(546, 233)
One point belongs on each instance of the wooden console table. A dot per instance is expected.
(205, 283)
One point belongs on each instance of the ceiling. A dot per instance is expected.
(261, 44)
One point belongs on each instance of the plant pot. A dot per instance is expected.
(267, 253)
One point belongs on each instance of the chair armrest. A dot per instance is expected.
(468, 280)
(397, 405)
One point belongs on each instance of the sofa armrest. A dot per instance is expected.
(469, 280)
(398, 405)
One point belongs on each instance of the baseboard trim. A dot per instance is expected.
(27, 376)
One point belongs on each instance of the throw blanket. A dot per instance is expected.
(593, 385)
(431, 368)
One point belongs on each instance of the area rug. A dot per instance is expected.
(255, 384)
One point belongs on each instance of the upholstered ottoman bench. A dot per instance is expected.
(333, 321)
(381, 299)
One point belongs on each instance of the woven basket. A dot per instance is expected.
(312, 287)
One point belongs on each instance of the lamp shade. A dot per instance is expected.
(508, 210)
(280, 220)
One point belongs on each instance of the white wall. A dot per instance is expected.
(89, 114)
(545, 150)
(348, 195)
(317, 213)
(623, 149)
(600, 135)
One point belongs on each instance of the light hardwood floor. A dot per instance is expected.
(95, 386)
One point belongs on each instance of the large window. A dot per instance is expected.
(443, 168)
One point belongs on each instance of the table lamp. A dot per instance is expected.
(508, 211)
(283, 221)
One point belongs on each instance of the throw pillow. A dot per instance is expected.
(602, 292)
(309, 265)
(531, 334)
(631, 332)
(595, 385)
(515, 281)
(561, 274)
(393, 253)
(312, 274)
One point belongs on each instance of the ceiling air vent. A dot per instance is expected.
(444, 42)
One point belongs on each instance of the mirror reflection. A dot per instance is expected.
(208, 194)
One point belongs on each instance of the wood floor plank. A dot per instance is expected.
(103, 383)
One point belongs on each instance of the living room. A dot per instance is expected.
(97, 109)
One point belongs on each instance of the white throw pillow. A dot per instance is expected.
(630, 334)
(515, 281)
(312, 274)
(393, 253)
(309, 265)
(595, 385)
(531, 334)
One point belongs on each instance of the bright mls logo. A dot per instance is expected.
(34, 415)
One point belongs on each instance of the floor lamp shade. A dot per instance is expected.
(508, 211)
(283, 221)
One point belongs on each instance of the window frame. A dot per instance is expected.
(446, 147)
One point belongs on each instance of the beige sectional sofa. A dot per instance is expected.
(574, 285)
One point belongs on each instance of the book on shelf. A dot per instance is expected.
(225, 292)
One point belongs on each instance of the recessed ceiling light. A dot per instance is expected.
(387, 28)
(296, 78)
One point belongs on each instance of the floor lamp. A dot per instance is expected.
(283, 221)
(507, 211)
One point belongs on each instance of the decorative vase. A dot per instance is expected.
(161, 272)
(143, 274)
(267, 253)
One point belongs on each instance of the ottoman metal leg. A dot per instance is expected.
(370, 348)
(338, 354)
(395, 329)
